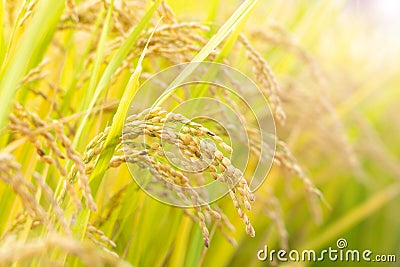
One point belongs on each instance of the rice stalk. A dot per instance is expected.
(13, 250)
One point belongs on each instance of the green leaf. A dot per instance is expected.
(117, 124)
(30, 47)
(356, 215)
(99, 58)
(229, 26)
(2, 29)
(115, 62)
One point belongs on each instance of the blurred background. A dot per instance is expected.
(337, 63)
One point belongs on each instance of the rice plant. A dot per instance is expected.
(104, 157)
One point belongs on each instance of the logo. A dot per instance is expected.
(188, 139)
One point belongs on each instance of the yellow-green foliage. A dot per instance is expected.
(68, 72)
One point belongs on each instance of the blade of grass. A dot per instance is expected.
(112, 139)
(203, 87)
(70, 91)
(118, 122)
(34, 42)
(212, 15)
(122, 108)
(13, 36)
(99, 58)
(195, 248)
(115, 62)
(222, 33)
(181, 244)
(172, 219)
(353, 217)
(2, 35)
